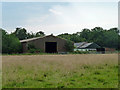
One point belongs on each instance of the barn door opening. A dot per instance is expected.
(101, 50)
(51, 47)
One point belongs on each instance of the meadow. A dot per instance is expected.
(60, 71)
(0, 80)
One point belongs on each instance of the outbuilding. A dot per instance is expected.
(48, 44)
(85, 46)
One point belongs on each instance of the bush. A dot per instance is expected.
(32, 49)
(31, 46)
(69, 46)
(80, 52)
(10, 43)
(35, 50)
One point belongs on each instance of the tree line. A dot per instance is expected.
(105, 38)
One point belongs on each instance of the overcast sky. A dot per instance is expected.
(59, 17)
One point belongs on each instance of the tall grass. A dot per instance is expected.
(61, 71)
(0, 79)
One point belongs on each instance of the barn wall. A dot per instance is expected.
(24, 47)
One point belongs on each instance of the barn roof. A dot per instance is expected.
(26, 40)
(79, 44)
(82, 45)
(31, 39)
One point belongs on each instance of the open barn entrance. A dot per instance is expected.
(51, 47)
(101, 50)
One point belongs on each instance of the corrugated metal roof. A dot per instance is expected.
(79, 44)
(31, 39)
(82, 44)
(26, 40)
(85, 45)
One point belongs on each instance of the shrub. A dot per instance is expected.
(10, 43)
(35, 50)
(69, 46)
(80, 52)
(31, 46)
(32, 49)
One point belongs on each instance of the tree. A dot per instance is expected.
(114, 30)
(111, 39)
(20, 33)
(65, 36)
(97, 29)
(30, 35)
(119, 42)
(77, 38)
(10, 43)
(69, 46)
(40, 33)
(85, 34)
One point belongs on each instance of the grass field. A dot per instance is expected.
(60, 71)
(0, 80)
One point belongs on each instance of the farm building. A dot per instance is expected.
(48, 44)
(84, 46)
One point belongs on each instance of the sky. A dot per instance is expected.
(59, 17)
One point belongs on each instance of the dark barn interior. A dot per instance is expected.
(102, 50)
(51, 47)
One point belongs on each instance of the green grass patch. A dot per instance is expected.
(83, 77)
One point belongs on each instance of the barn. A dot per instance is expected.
(85, 46)
(48, 44)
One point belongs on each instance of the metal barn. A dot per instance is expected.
(48, 44)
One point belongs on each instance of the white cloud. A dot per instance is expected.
(86, 15)
(55, 12)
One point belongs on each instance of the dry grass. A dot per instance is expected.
(0, 71)
(19, 69)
